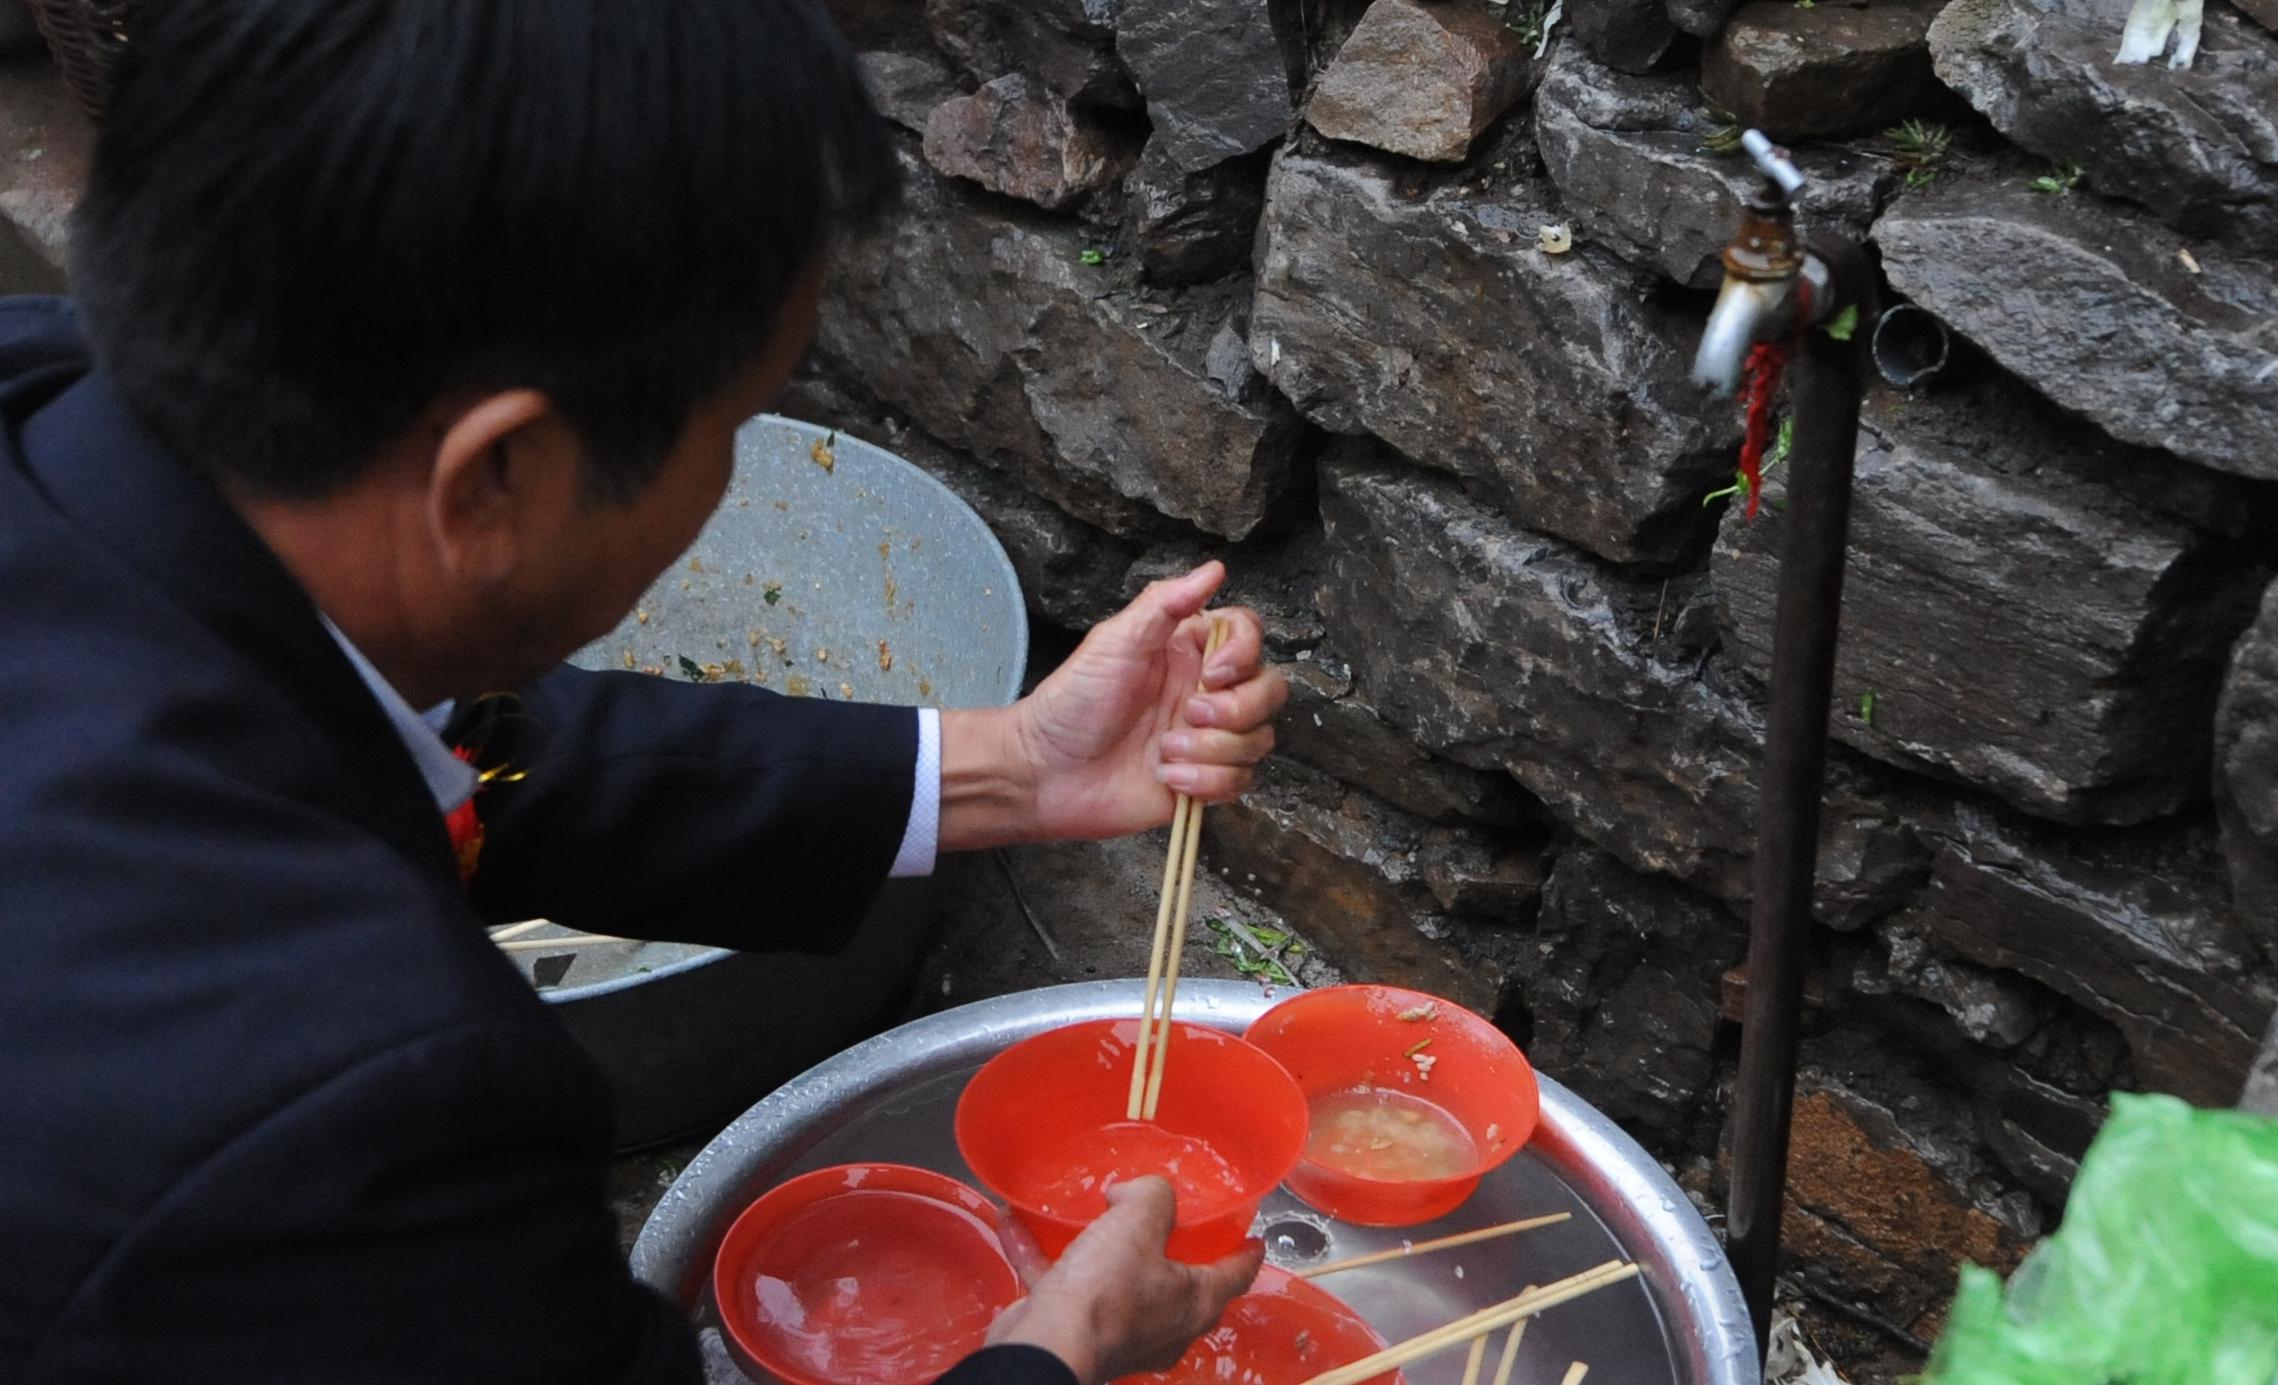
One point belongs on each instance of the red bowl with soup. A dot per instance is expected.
(1043, 1126)
(1410, 1100)
(862, 1274)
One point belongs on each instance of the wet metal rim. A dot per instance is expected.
(1686, 1272)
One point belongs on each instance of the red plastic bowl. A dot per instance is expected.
(1283, 1330)
(863, 1274)
(1344, 1038)
(1043, 1127)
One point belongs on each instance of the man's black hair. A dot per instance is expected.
(310, 218)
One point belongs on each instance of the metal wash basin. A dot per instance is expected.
(833, 569)
(891, 1098)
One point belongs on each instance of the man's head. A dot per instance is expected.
(326, 241)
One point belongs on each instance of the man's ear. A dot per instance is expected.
(500, 466)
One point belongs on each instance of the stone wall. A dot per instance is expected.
(1269, 281)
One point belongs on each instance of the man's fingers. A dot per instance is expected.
(1243, 652)
(1145, 1207)
(1222, 1281)
(1210, 783)
(1028, 1258)
(1239, 708)
(1218, 747)
(1158, 610)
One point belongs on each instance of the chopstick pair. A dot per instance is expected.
(1478, 1325)
(1574, 1372)
(1147, 1059)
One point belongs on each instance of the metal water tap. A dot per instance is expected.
(1762, 267)
(1777, 289)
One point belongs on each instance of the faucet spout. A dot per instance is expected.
(1747, 311)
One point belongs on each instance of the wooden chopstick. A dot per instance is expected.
(516, 930)
(1171, 913)
(1442, 1243)
(1575, 1372)
(1136, 1104)
(573, 940)
(1485, 1320)
(1511, 1349)
(1478, 1358)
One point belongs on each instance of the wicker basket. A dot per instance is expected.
(86, 37)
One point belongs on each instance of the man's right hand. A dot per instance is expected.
(1114, 1304)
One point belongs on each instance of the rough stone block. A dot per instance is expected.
(1475, 877)
(1495, 647)
(2196, 146)
(1427, 316)
(1625, 1000)
(1798, 73)
(906, 87)
(2021, 617)
(1423, 80)
(2246, 774)
(2094, 306)
(1627, 154)
(1014, 137)
(2133, 926)
(1348, 867)
(1068, 45)
(1212, 74)
(2262, 1085)
(1331, 726)
(987, 329)
(1187, 228)
(1633, 35)
(1701, 18)
(1988, 1007)
(1886, 1200)
(46, 146)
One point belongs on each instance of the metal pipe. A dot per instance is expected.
(1911, 347)
(1826, 378)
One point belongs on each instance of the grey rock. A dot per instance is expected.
(1988, 1007)
(1477, 877)
(2262, 12)
(1212, 74)
(987, 330)
(2133, 926)
(1626, 153)
(1701, 18)
(1014, 137)
(1983, 521)
(46, 149)
(2262, 1084)
(2246, 775)
(1331, 725)
(1832, 70)
(2094, 306)
(1430, 319)
(1423, 80)
(1633, 35)
(906, 87)
(1625, 999)
(1495, 647)
(2038, 1131)
(1068, 45)
(1190, 227)
(2198, 146)
(1349, 867)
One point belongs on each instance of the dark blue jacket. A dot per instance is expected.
(272, 1108)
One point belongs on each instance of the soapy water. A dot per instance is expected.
(1073, 1180)
(1375, 1132)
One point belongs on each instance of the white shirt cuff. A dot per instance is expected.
(922, 838)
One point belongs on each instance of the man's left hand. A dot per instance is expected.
(1105, 745)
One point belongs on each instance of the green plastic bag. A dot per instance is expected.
(2165, 1271)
